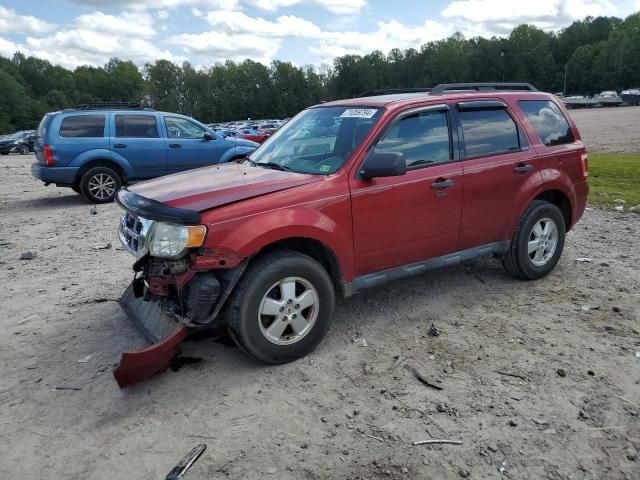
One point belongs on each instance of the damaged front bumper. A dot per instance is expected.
(159, 328)
(166, 307)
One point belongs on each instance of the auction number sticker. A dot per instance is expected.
(359, 113)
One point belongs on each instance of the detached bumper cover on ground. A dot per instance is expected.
(159, 328)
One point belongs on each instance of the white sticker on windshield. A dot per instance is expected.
(359, 113)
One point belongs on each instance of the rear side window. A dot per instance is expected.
(423, 139)
(136, 126)
(82, 126)
(489, 132)
(548, 121)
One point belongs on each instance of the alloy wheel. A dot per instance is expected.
(288, 310)
(102, 186)
(543, 241)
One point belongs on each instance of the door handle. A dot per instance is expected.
(120, 145)
(175, 145)
(522, 168)
(442, 183)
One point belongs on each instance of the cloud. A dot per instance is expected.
(284, 26)
(143, 4)
(220, 46)
(94, 38)
(7, 48)
(497, 17)
(11, 22)
(389, 35)
(342, 7)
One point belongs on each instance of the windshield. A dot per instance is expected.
(17, 135)
(318, 140)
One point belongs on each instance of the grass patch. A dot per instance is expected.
(613, 176)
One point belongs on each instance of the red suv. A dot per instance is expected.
(349, 195)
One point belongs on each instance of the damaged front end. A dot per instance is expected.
(169, 296)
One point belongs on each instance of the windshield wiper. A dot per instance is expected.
(274, 166)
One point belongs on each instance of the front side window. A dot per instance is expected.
(183, 129)
(136, 126)
(489, 132)
(318, 140)
(82, 126)
(422, 137)
(548, 121)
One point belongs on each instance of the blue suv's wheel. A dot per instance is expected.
(100, 184)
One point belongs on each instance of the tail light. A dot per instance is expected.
(48, 156)
(584, 165)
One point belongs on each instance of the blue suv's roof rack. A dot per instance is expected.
(112, 106)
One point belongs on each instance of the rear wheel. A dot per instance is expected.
(100, 184)
(537, 243)
(282, 307)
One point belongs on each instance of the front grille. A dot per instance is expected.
(133, 233)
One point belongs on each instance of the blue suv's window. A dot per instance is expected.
(182, 128)
(82, 126)
(136, 126)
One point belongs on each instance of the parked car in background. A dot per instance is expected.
(98, 148)
(20, 142)
(269, 128)
(254, 135)
(407, 183)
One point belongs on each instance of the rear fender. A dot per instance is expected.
(552, 179)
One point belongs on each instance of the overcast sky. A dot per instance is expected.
(77, 32)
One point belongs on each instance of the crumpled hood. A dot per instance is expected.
(205, 188)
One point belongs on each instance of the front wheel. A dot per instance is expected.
(100, 184)
(282, 307)
(537, 243)
(23, 150)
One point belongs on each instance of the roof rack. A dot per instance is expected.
(391, 91)
(112, 106)
(482, 86)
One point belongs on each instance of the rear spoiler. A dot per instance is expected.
(153, 210)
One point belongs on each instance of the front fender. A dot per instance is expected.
(235, 152)
(252, 234)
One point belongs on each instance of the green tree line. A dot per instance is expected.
(588, 56)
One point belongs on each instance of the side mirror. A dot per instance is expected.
(208, 136)
(383, 164)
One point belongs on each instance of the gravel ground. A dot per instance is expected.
(609, 129)
(344, 411)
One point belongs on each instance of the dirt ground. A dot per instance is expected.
(350, 410)
(609, 129)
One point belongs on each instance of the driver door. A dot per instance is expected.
(415, 216)
(187, 146)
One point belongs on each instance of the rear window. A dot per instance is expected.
(82, 126)
(136, 126)
(489, 132)
(548, 121)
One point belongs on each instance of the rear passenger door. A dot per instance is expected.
(136, 139)
(498, 165)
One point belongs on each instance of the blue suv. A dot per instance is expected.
(96, 150)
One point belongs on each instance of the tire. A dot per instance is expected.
(76, 188)
(538, 216)
(23, 150)
(263, 288)
(4, 153)
(93, 178)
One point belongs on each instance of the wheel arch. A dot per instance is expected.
(100, 162)
(313, 248)
(560, 200)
